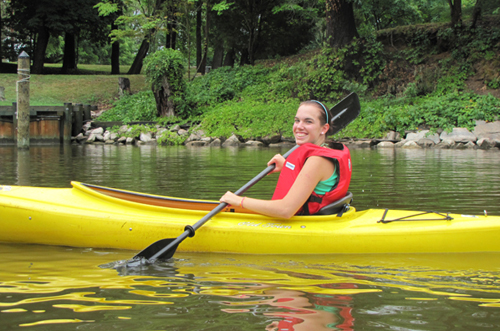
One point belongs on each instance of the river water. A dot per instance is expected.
(61, 288)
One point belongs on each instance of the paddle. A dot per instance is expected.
(343, 113)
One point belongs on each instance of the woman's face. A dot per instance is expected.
(307, 127)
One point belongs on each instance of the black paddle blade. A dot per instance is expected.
(157, 246)
(345, 112)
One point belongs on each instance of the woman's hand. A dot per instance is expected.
(279, 161)
(231, 199)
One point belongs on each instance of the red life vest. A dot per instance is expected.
(293, 165)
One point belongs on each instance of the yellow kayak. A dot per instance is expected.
(96, 216)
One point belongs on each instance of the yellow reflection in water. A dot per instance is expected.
(56, 321)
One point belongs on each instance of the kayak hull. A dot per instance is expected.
(94, 216)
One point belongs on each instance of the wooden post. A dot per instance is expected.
(86, 113)
(23, 101)
(77, 119)
(68, 122)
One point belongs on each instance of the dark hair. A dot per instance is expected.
(322, 114)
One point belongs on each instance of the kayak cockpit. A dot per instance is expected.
(338, 207)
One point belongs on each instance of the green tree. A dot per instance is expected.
(165, 71)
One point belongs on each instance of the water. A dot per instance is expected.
(61, 288)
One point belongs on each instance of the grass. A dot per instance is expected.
(53, 90)
(92, 85)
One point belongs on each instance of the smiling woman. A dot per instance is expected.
(312, 177)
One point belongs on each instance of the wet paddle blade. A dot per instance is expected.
(345, 112)
(155, 247)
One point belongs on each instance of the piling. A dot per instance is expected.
(23, 101)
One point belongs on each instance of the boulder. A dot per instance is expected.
(411, 144)
(196, 143)
(216, 142)
(424, 134)
(459, 135)
(489, 130)
(145, 137)
(254, 143)
(231, 141)
(426, 142)
(386, 144)
(486, 143)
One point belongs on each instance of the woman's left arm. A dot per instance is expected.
(314, 170)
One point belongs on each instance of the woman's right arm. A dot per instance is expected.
(279, 161)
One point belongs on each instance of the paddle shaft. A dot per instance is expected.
(189, 230)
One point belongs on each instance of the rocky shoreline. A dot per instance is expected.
(486, 135)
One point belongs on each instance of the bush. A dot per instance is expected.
(165, 70)
(131, 108)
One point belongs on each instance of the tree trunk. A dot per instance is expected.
(476, 14)
(199, 46)
(456, 12)
(40, 48)
(1, 39)
(164, 103)
(136, 66)
(218, 54)
(115, 54)
(340, 24)
(229, 59)
(69, 58)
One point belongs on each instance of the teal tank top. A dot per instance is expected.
(326, 185)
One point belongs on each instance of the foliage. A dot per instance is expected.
(250, 119)
(456, 109)
(223, 84)
(131, 108)
(171, 138)
(165, 70)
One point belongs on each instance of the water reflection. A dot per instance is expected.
(43, 285)
(48, 287)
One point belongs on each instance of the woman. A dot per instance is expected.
(312, 177)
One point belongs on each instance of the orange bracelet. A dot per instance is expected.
(241, 203)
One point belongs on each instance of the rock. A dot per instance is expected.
(231, 141)
(99, 137)
(392, 135)
(411, 144)
(283, 144)
(424, 134)
(254, 143)
(109, 142)
(271, 139)
(98, 131)
(196, 143)
(123, 129)
(361, 143)
(216, 143)
(107, 135)
(470, 145)
(91, 138)
(182, 132)
(145, 137)
(121, 140)
(459, 135)
(385, 144)
(446, 144)
(130, 140)
(489, 130)
(400, 143)
(426, 143)
(486, 143)
(175, 128)
(206, 139)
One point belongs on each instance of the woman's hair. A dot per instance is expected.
(324, 113)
